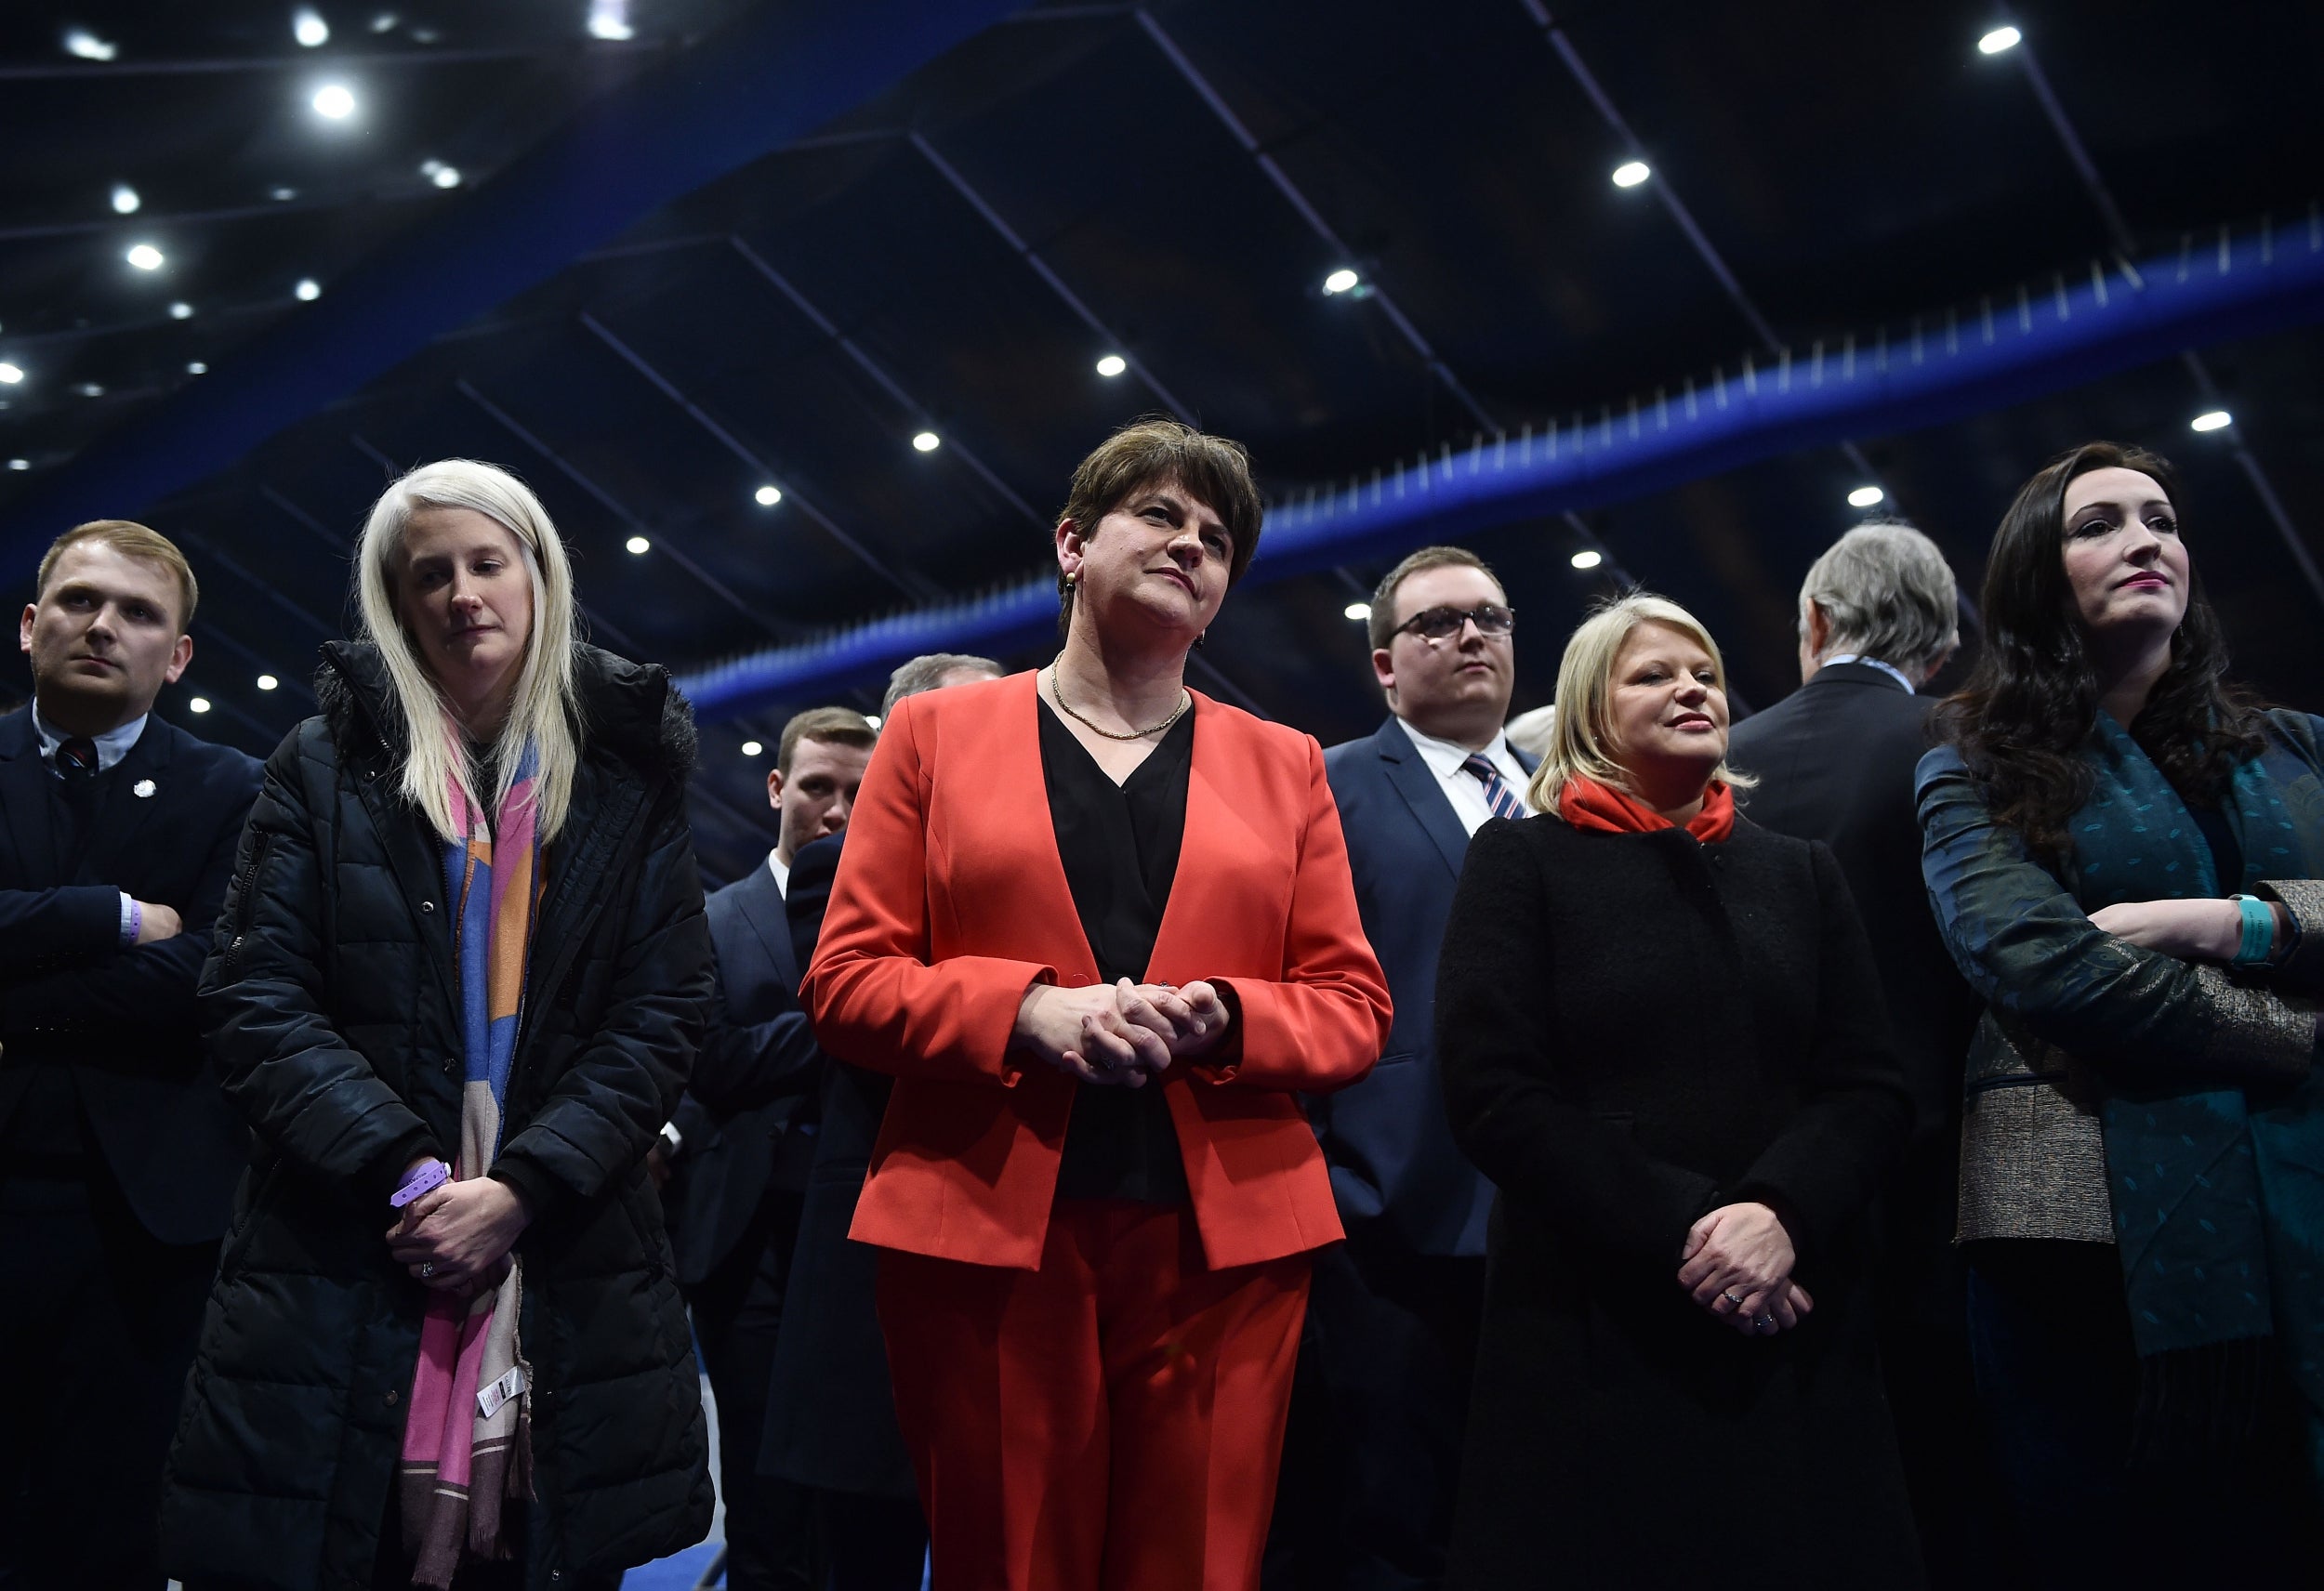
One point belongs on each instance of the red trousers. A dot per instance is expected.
(1110, 1422)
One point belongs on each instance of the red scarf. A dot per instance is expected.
(1586, 804)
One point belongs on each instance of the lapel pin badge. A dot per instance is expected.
(142, 788)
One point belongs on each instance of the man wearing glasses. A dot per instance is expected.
(1391, 1322)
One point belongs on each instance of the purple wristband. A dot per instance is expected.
(136, 924)
(435, 1173)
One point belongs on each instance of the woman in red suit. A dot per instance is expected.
(1101, 931)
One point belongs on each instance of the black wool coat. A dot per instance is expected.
(1632, 1031)
(332, 1013)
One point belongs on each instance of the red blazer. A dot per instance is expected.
(951, 902)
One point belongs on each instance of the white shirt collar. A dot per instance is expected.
(1445, 757)
(781, 874)
(112, 746)
(1890, 669)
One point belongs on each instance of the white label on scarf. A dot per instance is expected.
(490, 1399)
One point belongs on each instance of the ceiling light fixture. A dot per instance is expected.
(181, 310)
(281, 195)
(268, 682)
(1630, 173)
(638, 545)
(610, 19)
(2216, 420)
(1113, 365)
(199, 705)
(1359, 611)
(1865, 496)
(145, 256)
(1999, 39)
(872, 718)
(309, 28)
(752, 748)
(1588, 558)
(385, 22)
(926, 441)
(307, 290)
(91, 389)
(20, 464)
(195, 367)
(10, 374)
(767, 496)
(334, 101)
(126, 200)
(88, 46)
(445, 177)
(1341, 280)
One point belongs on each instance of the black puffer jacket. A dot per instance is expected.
(329, 1002)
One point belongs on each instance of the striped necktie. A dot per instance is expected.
(1497, 794)
(77, 759)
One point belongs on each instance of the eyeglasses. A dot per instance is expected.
(1443, 624)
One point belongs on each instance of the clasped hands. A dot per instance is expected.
(1119, 1034)
(1738, 1264)
(456, 1238)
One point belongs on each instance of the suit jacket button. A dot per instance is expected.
(393, 1397)
(426, 905)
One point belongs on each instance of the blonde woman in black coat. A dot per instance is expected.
(1661, 1036)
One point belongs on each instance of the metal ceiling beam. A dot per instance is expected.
(1042, 269)
(1308, 213)
(2125, 245)
(777, 74)
(2013, 351)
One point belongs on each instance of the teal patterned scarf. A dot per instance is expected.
(2218, 1194)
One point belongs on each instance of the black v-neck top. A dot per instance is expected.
(1119, 845)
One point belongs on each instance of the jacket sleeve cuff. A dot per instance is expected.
(387, 1172)
(2303, 969)
(536, 1188)
(1223, 1063)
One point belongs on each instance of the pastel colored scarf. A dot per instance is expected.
(465, 1439)
(1586, 804)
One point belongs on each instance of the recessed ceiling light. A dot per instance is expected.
(1588, 558)
(1339, 281)
(2218, 419)
(88, 46)
(768, 497)
(10, 374)
(610, 19)
(752, 748)
(1359, 611)
(307, 290)
(126, 200)
(926, 441)
(181, 310)
(1630, 173)
(1999, 40)
(91, 389)
(872, 718)
(638, 545)
(384, 22)
(195, 367)
(20, 464)
(445, 177)
(281, 195)
(268, 682)
(199, 705)
(1865, 496)
(1113, 365)
(334, 101)
(309, 28)
(145, 256)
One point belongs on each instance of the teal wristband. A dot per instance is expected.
(2259, 931)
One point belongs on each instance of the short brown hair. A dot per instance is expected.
(1382, 624)
(1148, 450)
(840, 726)
(130, 540)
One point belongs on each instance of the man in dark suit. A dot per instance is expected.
(118, 1153)
(831, 1417)
(1835, 762)
(1377, 1427)
(737, 1148)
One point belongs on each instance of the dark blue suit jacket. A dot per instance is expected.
(747, 1117)
(124, 1019)
(1394, 1169)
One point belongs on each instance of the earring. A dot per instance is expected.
(1069, 582)
(1200, 639)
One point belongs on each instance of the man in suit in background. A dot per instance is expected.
(1376, 1431)
(831, 1415)
(738, 1149)
(1835, 761)
(118, 1153)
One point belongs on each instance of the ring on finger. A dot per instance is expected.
(1732, 1299)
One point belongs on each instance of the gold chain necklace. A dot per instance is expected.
(1185, 699)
